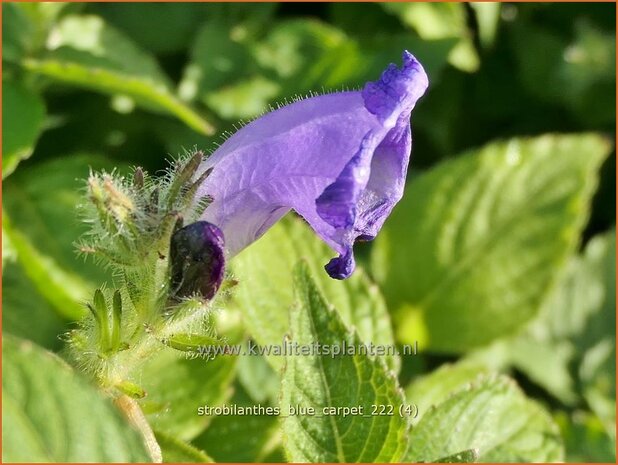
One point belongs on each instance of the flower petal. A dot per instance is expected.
(339, 160)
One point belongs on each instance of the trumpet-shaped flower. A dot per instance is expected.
(339, 160)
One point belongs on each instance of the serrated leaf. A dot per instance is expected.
(265, 292)
(49, 414)
(493, 416)
(86, 52)
(329, 382)
(478, 241)
(176, 386)
(177, 451)
(23, 112)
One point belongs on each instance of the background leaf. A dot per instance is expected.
(466, 250)
(434, 388)
(86, 52)
(39, 393)
(26, 313)
(438, 21)
(44, 225)
(23, 112)
(493, 416)
(577, 317)
(243, 438)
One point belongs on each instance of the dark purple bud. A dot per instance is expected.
(197, 260)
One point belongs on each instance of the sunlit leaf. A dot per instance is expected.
(492, 416)
(467, 255)
(324, 382)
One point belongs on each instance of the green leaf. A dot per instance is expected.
(471, 252)
(25, 27)
(63, 290)
(295, 50)
(222, 72)
(324, 382)
(440, 21)
(434, 388)
(217, 57)
(575, 327)
(26, 313)
(240, 78)
(245, 99)
(264, 293)
(488, 19)
(585, 438)
(597, 370)
(242, 438)
(86, 52)
(577, 72)
(177, 386)
(16, 32)
(177, 451)
(493, 416)
(42, 205)
(179, 20)
(546, 364)
(49, 414)
(258, 379)
(23, 112)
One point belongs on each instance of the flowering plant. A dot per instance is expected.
(305, 291)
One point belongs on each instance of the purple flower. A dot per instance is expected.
(197, 260)
(339, 160)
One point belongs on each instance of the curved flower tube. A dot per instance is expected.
(339, 160)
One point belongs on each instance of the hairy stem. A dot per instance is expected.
(132, 411)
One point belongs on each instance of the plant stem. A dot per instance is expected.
(132, 411)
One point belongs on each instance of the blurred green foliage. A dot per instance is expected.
(500, 258)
